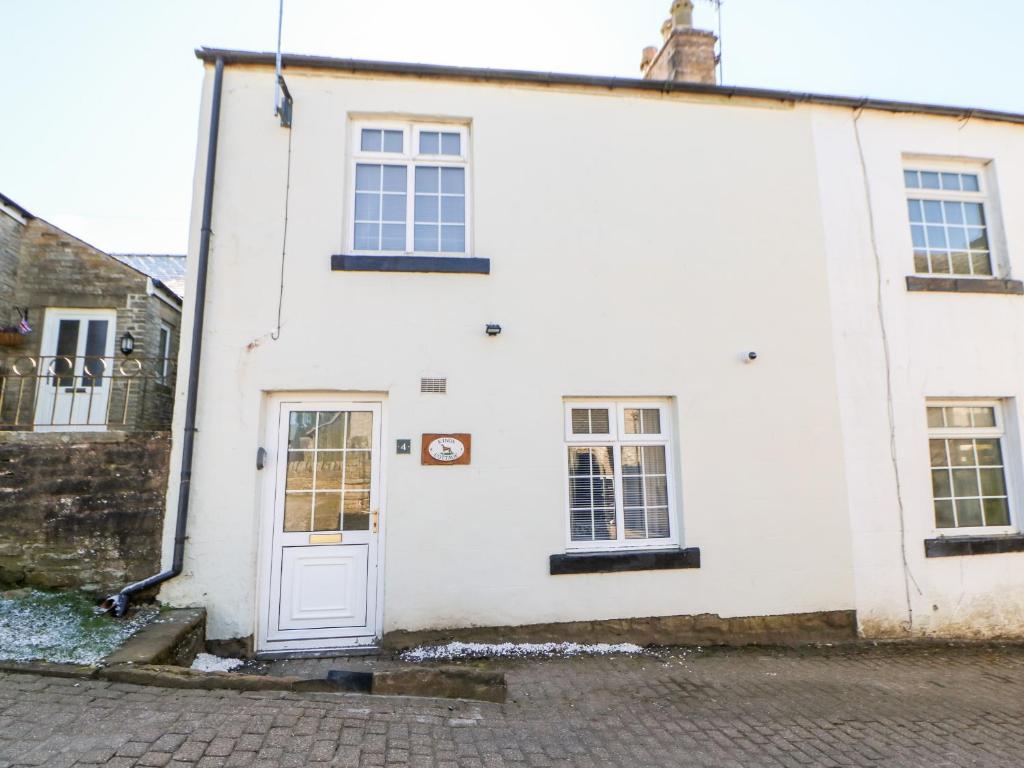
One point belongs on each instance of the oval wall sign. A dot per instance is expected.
(450, 449)
(446, 449)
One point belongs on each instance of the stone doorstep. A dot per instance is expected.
(174, 637)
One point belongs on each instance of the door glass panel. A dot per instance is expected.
(297, 512)
(63, 363)
(357, 511)
(95, 348)
(360, 424)
(327, 479)
(327, 512)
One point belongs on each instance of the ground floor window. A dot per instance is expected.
(619, 471)
(967, 442)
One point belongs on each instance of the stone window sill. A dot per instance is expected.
(959, 546)
(463, 265)
(615, 562)
(964, 285)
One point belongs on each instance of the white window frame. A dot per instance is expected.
(411, 158)
(165, 353)
(616, 439)
(993, 221)
(1011, 460)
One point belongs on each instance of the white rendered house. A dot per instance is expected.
(591, 357)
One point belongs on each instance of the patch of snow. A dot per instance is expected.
(63, 627)
(207, 662)
(516, 650)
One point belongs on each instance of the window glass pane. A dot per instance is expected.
(657, 523)
(302, 430)
(958, 416)
(932, 211)
(961, 453)
(367, 178)
(430, 143)
(371, 140)
(392, 237)
(961, 263)
(968, 513)
(970, 182)
(328, 470)
(453, 209)
(929, 180)
(940, 262)
(911, 180)
(941, 487)
(992, 482)
(590, 421)
(631, 460)
(427, 208)
(984, 416)
(393, 141)
(917, 236)
(393, 208)
(944, 517)
(604, 525)
(936, 237)
(635, 521)
(914, 210)
(938, 451)
(935, 417)
(997, 512)
(453, 181)
(94, 366)
(951, 181)
(632, 491)
(920, 261)
(974, 214)
(451, 144)
(357, 470)
(656, 491)
(978, 238)
(981, 263)
(427, 179)
(356, 507)
(367, 207)
(327, 512)
(394, 178)
(957, 238)
(427, 238)
(654, 459)
(367, 237)
(954, 212)
(989, 452)
(965, 482)
(453, 238)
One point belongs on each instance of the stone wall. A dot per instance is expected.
(10, 240)
(81, 510)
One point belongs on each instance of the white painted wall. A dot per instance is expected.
(941, 345)
(640, 246)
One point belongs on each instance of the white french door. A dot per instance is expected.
(75, 370)
(321, 553)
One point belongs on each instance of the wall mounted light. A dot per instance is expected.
(127, 343)
(493, 329)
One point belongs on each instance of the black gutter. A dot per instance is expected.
(590, 81)
(118, 604)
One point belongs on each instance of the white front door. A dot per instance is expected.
(321, 586)
(75, 372)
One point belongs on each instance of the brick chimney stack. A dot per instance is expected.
(687, 55)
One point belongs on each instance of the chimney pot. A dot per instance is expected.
(649, 55)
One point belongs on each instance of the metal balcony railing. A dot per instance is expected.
(87, 393)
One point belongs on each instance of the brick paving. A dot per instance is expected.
(940, 708)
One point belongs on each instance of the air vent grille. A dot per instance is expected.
(435, 386)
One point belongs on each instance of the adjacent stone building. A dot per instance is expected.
(87, 369)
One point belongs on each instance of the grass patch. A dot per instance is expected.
(63, 627)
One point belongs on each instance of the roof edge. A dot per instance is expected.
(595, 81)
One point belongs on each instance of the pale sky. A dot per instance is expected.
(99, 109)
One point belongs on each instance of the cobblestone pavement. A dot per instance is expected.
(940, 708)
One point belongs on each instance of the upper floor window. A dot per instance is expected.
(948, 222)
(620, 475)
(968, 458)
(410, 189)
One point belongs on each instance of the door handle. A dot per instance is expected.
(374, 519)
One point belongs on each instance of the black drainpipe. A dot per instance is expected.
(118, 604)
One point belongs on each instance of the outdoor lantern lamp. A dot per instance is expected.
(127, 343)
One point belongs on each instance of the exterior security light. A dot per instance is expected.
(127, 343)
(493, 329)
